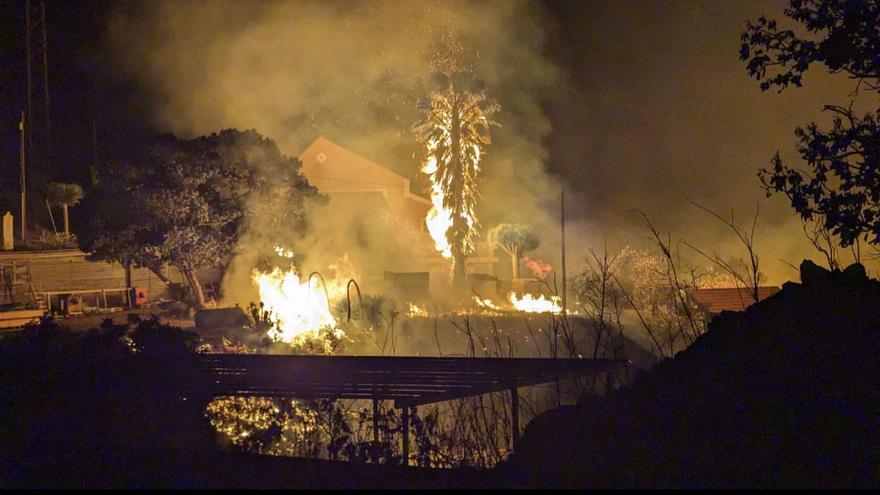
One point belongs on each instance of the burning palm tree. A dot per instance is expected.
(453, 130)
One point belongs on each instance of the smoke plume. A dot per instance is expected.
(353, 72)
(652, 107)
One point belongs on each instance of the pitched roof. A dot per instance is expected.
(715, 301)
(331, 168)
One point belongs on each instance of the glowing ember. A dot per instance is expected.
(283, 252)
(486, 303)
(300, 308)
(530, 304)
(414, 310)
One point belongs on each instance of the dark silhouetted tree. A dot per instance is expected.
(842, 183)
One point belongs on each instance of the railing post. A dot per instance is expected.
(375, 430)
(405, 418)
(514, 418)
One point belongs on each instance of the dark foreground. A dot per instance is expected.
(782, 395)
(222, 470)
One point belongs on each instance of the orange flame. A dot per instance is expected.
(301, 308)
(439, 218)
(530, 304)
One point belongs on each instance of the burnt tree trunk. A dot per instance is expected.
(157, 271)
(196, 286)
(458, 232)
(459, 275)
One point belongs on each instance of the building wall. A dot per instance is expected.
(338, 172)
(68, 270)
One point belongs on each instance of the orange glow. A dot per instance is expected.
(530, 304)
(301, 308)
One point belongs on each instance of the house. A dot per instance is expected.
(344, 175)
(355, 184)
(714, 301)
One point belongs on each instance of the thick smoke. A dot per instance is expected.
(652, 108)
(350, 71)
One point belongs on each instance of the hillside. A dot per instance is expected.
(784, 394)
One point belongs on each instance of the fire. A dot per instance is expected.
(486, 303)
(447, 120)
(530, 304)
(414, 310)
(301, 308)
(336, 278)
(283, 252)
(439, 218)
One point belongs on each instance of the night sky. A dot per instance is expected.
(652, 106)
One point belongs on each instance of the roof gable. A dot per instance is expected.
(339, 167)
(715, 301)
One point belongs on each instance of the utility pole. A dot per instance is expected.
(562, 226)
(93, 168)
(39, 122)
(22, 180)
(95, 142)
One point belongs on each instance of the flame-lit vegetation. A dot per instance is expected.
(414, 310)
(273, 426)
(486, 303)
(466, 432)
(301, 308)
(473, 431)
(454, 129)
(299, 311)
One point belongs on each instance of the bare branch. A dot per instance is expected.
(748, 241)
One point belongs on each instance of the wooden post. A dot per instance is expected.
(8, 232)
(514, 418)
(375, 429)
(405, 418)
(562, 229)
(22, 179)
